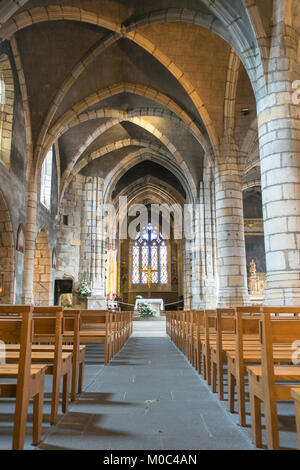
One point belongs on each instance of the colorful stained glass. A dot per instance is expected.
(163, 253)
(154, 265)
(145, 263)
(135, 264)
(149, 248)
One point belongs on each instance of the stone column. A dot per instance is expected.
(197, 245)
(93, 246)
(187, 272)
(30, 235)
(279, 140)
(208, 240)
(230, 235)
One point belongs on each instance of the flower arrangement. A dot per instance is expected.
(146, 311)
(84, 290)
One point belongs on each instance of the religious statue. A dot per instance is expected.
(66, 300)
(252, 267)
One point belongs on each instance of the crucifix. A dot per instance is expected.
(149, 271)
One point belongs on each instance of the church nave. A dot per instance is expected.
(147, 398)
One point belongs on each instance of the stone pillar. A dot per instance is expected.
(30, 235)
(231, 255)
(187, 272)
(279, 140)
(197, 245)
(92, 250)
(208, 240)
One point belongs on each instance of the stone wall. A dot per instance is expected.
(42, 271)
(6, 108)
(69, 231)
(80, 248)
(6, 254)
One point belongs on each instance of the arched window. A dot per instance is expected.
(149, 257)
(6, 108)
(46, 180)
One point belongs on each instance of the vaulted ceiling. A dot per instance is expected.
(113, 77)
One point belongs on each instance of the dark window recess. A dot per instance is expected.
(65, 219)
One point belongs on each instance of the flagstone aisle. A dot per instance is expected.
(148, 398)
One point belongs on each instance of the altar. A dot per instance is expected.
(156, 304)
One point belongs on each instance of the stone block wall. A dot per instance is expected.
(6, 254)
(6, 108)
(80, 248)
(69, 236)
(42, 271)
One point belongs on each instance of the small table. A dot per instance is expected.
(295, 392)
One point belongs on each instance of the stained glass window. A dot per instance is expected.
(149, 254)
(145, 263)
(163, 264)
(135, 264)
(154, 265)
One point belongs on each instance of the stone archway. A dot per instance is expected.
(6, 255)
(42, 270)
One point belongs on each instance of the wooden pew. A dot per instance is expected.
(246, 327)
(71, 335)
(224, 323)
(96, 327)
(209, 325)
(48, 328)
(296, 396)
(197, 330)
(72, 322)
(30, 378)
(268, 383)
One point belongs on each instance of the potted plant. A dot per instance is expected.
(84, 290)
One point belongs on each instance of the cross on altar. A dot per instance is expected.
(149, 271)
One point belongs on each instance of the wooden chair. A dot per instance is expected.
(296, 396)
(197, 330)
(96, 327)
(29, 378)
(269, 383)
(224, 323)
(246, 329)
(72, 322)
(48, 328)
(209, 325)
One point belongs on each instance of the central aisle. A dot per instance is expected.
(148, 398)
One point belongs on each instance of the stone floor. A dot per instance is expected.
(147, 398)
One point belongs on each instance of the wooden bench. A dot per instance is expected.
(29, 378)
(246, 331)
(96, 327)
(205, 337)
(269, 383)
(224, 323)
(71, 327)
(296, 396)
(48, 328)
(196, 330)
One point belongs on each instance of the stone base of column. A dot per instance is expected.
(233, 297)
(283, 288)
